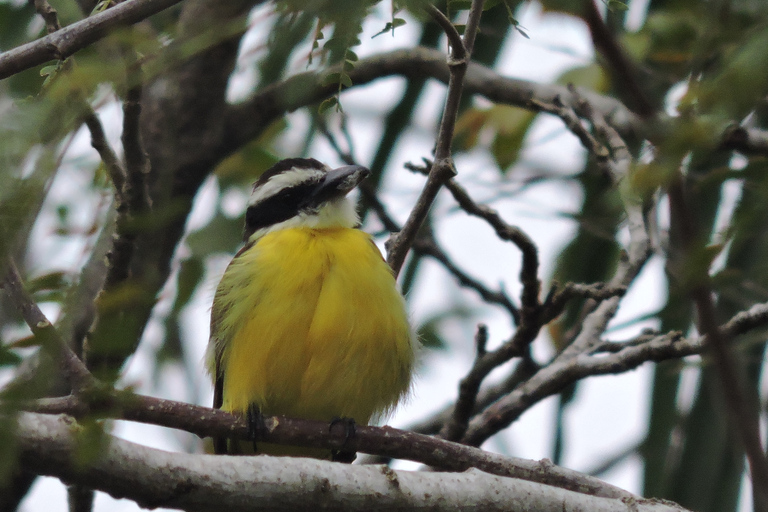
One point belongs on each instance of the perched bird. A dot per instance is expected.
(307, 321)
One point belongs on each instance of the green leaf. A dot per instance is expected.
(390, 26)
(592, 77)
(616, 5)
(345, 80)
(101, 7)
(508, 126)
(330, 79)
(328, 103)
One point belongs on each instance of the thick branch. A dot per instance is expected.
(155, 478)
(384, 441)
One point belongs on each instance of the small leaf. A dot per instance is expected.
(351, 56)
(49, 70)
(390, 26)
(331, 79)
(328, 103)
(616, 5)
(101, 7)
(346, 81)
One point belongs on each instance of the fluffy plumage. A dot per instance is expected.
(307, 320)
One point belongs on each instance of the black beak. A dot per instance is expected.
(339, 182)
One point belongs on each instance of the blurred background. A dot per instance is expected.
(657, 431)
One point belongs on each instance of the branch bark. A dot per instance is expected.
(61, 44)
(155, 478)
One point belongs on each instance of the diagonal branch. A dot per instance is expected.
(48, 336)
(442, 168)
(65, 42)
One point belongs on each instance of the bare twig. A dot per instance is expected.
(107, 154)
(48, 13)
(566, 368)
(442, 168)
(530, 265)
(523, 371)
(79, 377)
(624, 69)
(428, 247)
(63, 43)
(518, 395)
(469, 388)
(558, 297)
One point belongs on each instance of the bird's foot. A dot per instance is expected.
(257, 427)
(341, 455)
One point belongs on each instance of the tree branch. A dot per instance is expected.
(155, 478)
(63, 43)
(48, 13)
(385, 441)
(47, 335)
(442, 168)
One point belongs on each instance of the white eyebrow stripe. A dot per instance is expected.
(285, 179)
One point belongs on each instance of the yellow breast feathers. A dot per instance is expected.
(308, 323)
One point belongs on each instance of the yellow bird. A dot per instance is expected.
(307, 321)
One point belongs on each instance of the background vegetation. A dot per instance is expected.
(657, 142)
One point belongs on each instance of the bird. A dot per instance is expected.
(307, 320)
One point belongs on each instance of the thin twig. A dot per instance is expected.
(613, 358)
(77, 374)
(570, 365)
(442, 168)
(107, 154)
(624, 69)
(48, 13)
(427, 246)
(558, 297)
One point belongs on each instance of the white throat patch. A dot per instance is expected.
(338, 213)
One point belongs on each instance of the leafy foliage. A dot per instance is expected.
(707, 68)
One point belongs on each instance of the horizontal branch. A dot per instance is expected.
(246, 120)
(385, 441)
(64, 42)
(155, 478)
